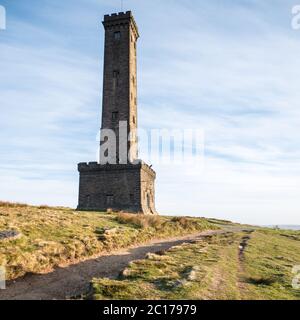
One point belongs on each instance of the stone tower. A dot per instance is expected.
(120, 181)
(120, 81)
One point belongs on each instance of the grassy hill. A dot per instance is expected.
(50, 237)
(254, 264)
(242, 262)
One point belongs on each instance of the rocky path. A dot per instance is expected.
(74, 280)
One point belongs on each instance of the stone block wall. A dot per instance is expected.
(127, 188)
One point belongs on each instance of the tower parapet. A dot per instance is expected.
(121, 18)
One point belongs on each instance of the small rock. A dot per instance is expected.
(9, 235)
(126, 272)
(192, 276)
(180, 283)
(156, 257)
(111, 231)
(279, 257)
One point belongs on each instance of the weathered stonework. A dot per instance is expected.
(124, 186)
(120, 77)
(118, 187)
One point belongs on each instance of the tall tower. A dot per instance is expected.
(120, 84)
(120, 181)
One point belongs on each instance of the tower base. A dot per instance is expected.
(118, 187)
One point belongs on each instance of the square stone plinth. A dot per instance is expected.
(119, 187)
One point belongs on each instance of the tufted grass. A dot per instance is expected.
(52, 237)
(214, 268)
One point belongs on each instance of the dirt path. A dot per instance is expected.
(243, 245)
(75, 279)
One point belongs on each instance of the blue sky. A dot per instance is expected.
(231, 69)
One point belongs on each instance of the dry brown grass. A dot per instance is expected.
(7, 204)
(59, 236)
(183, 222)
(139, 220)
(44, 206)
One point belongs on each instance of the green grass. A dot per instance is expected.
(53, 237)
(214, 268)
(269, 260)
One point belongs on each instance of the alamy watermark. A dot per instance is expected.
(2, 18)
(2, 278)
(296, 17)
(155, 146)
(296, 279)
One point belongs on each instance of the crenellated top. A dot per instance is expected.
(119, 15)
(121, 18)
(95, 166)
